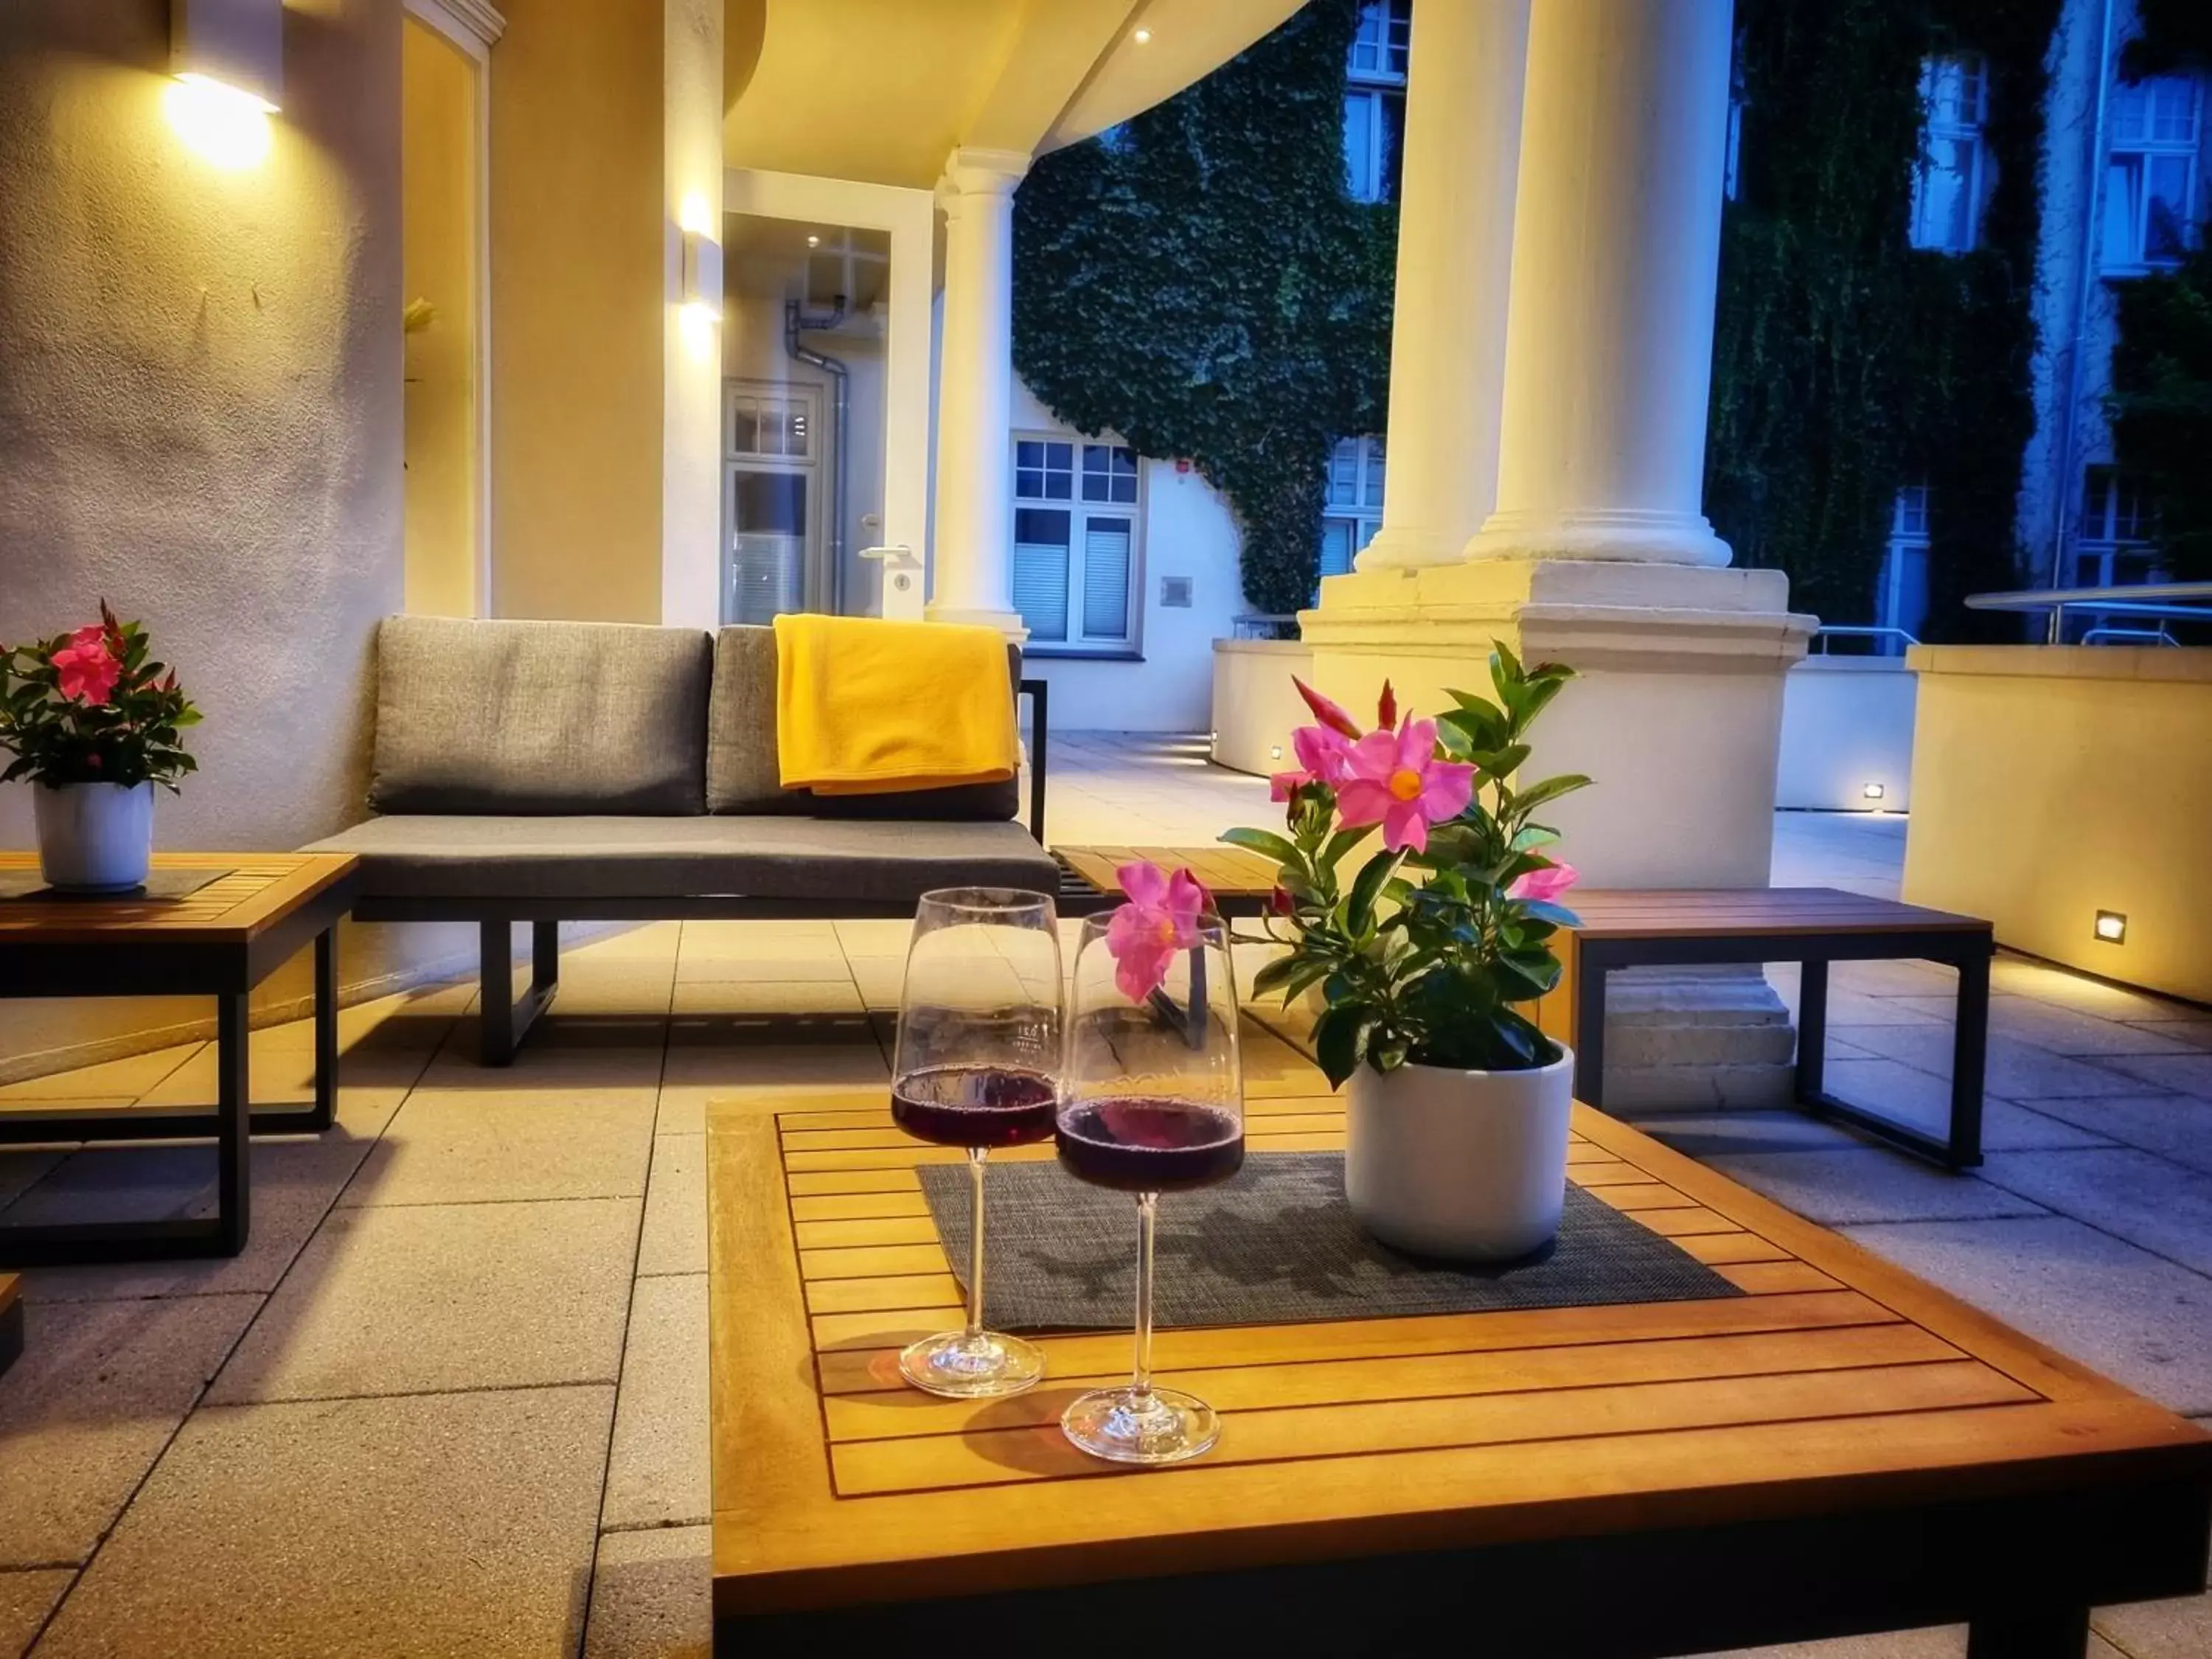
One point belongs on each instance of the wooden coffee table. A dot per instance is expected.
(1842, 1450)
(220, 940)
(1239, 881)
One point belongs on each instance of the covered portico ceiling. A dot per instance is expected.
(884, 90)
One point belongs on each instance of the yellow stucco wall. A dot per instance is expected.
(577, 310)
(2052, 782)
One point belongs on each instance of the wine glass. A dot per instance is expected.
(979, 1038)
(1152, 1101)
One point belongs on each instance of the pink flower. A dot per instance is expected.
(1397, 781)
(1160, 918)
(86, 667)
(1386, 707)
(1323, 758)
(1546, 884)
(1330, 714)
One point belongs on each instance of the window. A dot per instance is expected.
(1075, 543)
(2150, 177)
(1353, 512)
(1375, 100)
(771, 561)
(2114, 547)
(1901, 590)
(1948, 189)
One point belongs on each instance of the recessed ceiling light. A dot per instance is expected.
(2111, 928)
(1142, 36)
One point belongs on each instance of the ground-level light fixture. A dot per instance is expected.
(228, 57)
(2111, 928)
(1871, 792)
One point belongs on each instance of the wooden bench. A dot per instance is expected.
(1841, 1449)
(1811, 926)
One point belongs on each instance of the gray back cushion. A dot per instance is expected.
(742, 775)
(542, 717)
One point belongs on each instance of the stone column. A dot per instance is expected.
(1455, 266)
(972, 577)
(1616, 251)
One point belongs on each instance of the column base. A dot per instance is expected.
(1625, 535)
(1406, 547)
(1008, 623)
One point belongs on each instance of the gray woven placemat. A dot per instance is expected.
(1275, 1244)
(160, 885)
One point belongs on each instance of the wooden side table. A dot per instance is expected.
(1240, 881)
(220, 940)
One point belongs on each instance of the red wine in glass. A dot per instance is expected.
(975, 1105)
(1141, 1144)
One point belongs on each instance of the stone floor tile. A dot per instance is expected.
(25, 1599)
(2196, 1032)
(655, 942)
(1948, 1642)
(463, 1296)
(2016, 1070)
(1709, 1134)
(2060, 1031)
(2028, 977)
(295, 1184)
(98, 1391)
(1921, 1100)
(652, 1595)
(20, 1170)
(2178, 1126)
(2189, 1073)
(674, 1239)
(875, 937)
(657, 1469)
(561, 1053)
(415, 1528)
(768, 1073)
(2179, 1629)
(2132, 1195)
(280, 1066)
(695, 997)
(827, 964)
(2141, 1321)
(1869, 1184)
(113, 1082)
(1893, 978)
(612, 992)
(454, 1147)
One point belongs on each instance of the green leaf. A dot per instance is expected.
(1533, 835)
(1342, 843)
(1340, 1039)
(1275, 974)
(1263, 842)
(1545, 910)
(1360, 911)
(1526, 801)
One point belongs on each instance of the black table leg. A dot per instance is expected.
(326, 1030)
(233, 1128)
(1970, 1047)
(1812, 1030)
(1590, 1028)
(502, 1022)
(11, 1333)
(2030, 1632)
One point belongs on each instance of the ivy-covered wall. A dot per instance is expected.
(1847, 363)
(1205, 287)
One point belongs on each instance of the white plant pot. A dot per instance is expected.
(1469, 1166)
(94, 837)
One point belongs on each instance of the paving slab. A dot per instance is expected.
(2016, 1070)
(657, 1469)
(415, 1528)
(2178, 1126)
(2197, 1032)
(1869, 1184)
(2179, 1629)
(2057, 1029)
(2027, 977)
(463, 1296)
(453, 1146)
(700, 1072)
(835, 994)
(2141, 1321)
(2132, 1195)
(1946, 1642)
(652, 1595)
(1921, 1100)
(1707, 1134)
(20, 1170)
(674, 1240)
(98, 1391)
(2189, 1073)
(109, 1083)
(25, 1599)
(295, 1184)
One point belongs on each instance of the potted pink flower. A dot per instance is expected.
(1426, 958)
(93, 722)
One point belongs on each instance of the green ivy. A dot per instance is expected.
(1847, 363)
(1205, 287)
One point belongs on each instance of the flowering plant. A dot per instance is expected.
(89, 706)
(1422, 955)
(1160, 917)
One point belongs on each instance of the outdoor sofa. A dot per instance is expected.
(548, 771)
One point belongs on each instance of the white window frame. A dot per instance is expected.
(1937, 127)
(2109, 535)
(2135, 154)
(1385, 39)
(1080, 512)
(1362, 464)
(804, 400)
(1908, 538)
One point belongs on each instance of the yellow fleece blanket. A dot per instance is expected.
(865, 707)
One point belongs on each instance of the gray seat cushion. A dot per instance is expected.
(514, 717)
(834, 860)
(742, 773)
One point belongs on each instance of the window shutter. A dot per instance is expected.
(1041, 571)
(1106, 578)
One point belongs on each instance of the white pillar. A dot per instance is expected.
(1454, 267)
(973, 561)
(1616, 248)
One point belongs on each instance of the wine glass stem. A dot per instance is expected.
(1140, 1380)
(976, 1155)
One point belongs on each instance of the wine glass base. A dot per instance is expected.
(1163, 1425)
(986, 1366)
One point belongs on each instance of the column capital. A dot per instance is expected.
(972, 171)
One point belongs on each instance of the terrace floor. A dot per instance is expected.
(452, 1398)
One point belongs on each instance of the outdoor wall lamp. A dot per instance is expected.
(1871, 792)
(2111, 928)
(228, 57)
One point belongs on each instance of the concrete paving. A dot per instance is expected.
(451, 1399)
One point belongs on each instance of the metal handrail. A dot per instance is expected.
(1860, 630)
(1253, 625)
(2179, 601)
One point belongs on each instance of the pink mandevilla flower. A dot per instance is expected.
(1323, 758)
(1160, 918)
(1397, 781)
(1545, 884)
(1330, 714)
(88, 668)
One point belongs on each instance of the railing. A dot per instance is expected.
(1827, 631)
(1254, 626)
(2180, 601)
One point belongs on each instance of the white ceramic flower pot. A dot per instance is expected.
(1469, 1166)
(94, 837)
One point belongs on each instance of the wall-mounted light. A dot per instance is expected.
(1142, 37)
(228, 57)
(702, 275)
(2111, 928)
(1275, 752)
(1871, 792)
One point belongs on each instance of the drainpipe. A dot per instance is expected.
(796, 321)
(2070, 410)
